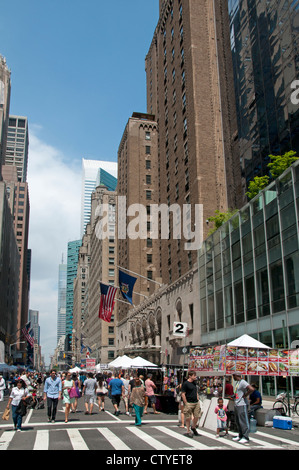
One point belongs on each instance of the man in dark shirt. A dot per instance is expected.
(191, 403)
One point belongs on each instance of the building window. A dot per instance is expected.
(147, 136)
(148, 195)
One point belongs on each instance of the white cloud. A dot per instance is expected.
(55, 196)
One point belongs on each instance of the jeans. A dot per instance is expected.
(52, 407)
(17, 419)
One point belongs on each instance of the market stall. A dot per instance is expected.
(245, 356)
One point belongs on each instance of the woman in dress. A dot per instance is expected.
(67, 385)
(18, 393)
(74, 405)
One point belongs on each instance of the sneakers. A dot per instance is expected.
(194, 431)
(244, 441)
(241, 440)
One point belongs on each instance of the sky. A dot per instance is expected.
(78, 74)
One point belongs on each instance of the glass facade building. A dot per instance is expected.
(265, 51)
(249, 271)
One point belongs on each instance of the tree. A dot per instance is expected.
(220, 218)
(256, 185)
(281, 162)
(278, 165)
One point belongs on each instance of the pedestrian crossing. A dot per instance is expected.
(149, 437)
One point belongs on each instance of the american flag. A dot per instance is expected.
(27, 335)
(107, 301)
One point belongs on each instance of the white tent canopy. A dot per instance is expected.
(140, 362)
(75, 369)
(125, 362)
(246, 341)
(121, 362)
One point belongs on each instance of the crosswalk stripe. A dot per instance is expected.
(148, 439)
(117, 443)
(192, 442)
(77, 440)
(41, 440)
(277, 438)
(6, 439)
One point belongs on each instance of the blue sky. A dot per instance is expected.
(78, 68)
(78, 74)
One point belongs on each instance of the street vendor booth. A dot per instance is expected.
(245, 356)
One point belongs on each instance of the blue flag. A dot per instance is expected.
(126, 285)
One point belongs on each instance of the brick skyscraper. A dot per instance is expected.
(190, 93)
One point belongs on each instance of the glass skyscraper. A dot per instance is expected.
(94, 171)
(72, 263)
(265, 52)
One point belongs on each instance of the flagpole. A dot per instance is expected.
(137, 293)
(124, 302)
(151, 280)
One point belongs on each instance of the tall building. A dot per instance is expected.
(61, 307)
(72, 263)
(189, 77)
(265, 50)
(9, 274)
(18, 199)
(5, 87)
(138, 183)
(90, 177)
(17, 145)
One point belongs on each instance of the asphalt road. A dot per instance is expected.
(158, 435)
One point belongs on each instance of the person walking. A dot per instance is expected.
(126, 380)
(191, 403)
(137, 400)
(2, 387)
(101, 392)
(74, 404)
(117, 389)
(89, 392)
(67, 385)
(18, 393)
(52, 393)
(241, 391)
(150, 394)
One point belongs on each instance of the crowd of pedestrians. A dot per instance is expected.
(47, 390)
(37, 390)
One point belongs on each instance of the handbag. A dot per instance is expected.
(6, 414)
(73, 392)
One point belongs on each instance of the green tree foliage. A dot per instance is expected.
(279, 163)
(256, 185)
(220, 218)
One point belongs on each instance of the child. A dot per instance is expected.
(221, 411)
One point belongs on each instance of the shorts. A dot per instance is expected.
(126, 399)
(115, 399)
(89, 398)
(192, 409)
(152, 399)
